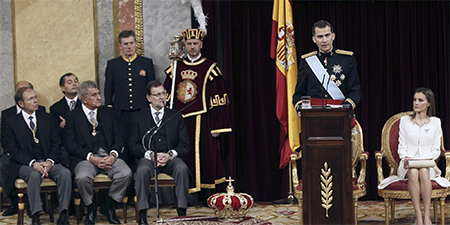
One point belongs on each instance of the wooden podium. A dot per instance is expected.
(327, 166)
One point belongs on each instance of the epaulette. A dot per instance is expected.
(309, 54)
(344, 52)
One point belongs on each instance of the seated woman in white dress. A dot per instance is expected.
(419, 138)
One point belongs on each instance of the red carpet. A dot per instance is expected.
(211, 220)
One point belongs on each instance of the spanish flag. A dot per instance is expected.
(285, 56)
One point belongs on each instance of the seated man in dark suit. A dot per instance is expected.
(69, 86)
(9, 170)
(32, 140)
(171, 142)
(93, 139)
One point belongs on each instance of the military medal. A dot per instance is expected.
(94, 133)
(36, 140)
(325, 61)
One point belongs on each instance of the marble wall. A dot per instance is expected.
(6, 55)
(163, 20)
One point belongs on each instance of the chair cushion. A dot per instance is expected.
(393, 140)
(46, 182)
(300, 186)
(102, 178)
(402, 185)
(355, 184)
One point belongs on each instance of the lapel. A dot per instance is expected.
(23, 129)
(44, 129)
(81, 119)
(103, 118)
(147, 120)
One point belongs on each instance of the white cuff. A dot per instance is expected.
(88, 156)
(174, 154)
(148, 155)
(31, 162)
(51, 160)
(114, 151)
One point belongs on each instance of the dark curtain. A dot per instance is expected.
(399, 46)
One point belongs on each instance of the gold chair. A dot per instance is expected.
(47, 186)
(359, 159)
(164, 180)
(399, 189)
(101, 181)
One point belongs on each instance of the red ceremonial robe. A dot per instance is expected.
(202, 82)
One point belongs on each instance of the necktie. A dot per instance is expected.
(92, 118)
(72, 105)
(32, 125)
(157, 119)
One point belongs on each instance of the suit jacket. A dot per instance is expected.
(6, 114)
(78, 135)
(60, 108)
(18, 142)
(176, 133)
(125, 83)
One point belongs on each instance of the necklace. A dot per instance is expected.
(421, 124)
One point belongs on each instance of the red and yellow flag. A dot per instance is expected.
(284, 53)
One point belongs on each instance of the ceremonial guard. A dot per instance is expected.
(199, 87)
(327, 73)
(125, 80)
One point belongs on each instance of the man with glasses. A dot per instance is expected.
(170, 142)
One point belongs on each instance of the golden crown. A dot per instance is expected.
(230, 206)
(188, 74)
(193, 33)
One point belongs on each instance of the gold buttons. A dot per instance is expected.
(131, 101)
(130, 79)
(130, 90)
(129, 64)
(129, 68)
(131, 96)
(130, 84)
(131, 107)
(129, 74)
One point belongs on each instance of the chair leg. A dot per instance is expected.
(435, 209)
(386, 211)
(77, 202)
(20, 207)
(355, 208)
(125, 201)
(442, 200)
(136, 209)
(392, 210)
(49, 207)
(300, 210)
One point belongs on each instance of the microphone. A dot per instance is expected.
(158, 128)
(323, 94)
(328, 82)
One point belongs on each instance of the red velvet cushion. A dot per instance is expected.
(402, 185)
(393, 140)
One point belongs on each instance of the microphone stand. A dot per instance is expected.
(155, 168)
(328, 82)
(323, 94)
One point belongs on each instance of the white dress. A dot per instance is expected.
(418, 142)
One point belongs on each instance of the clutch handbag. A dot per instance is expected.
(420, 163)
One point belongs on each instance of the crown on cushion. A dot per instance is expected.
(230, 206)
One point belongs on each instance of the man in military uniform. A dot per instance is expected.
(199, 87)
(327, 73)
(126, 79)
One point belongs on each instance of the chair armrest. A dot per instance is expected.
(378, 158)
(362, 173)
(294, 157)
(447, 165)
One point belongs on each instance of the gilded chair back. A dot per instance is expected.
(389, 141)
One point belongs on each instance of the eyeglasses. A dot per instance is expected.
(159, 95)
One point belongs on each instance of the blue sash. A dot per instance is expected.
(320, 71)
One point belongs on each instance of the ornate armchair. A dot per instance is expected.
(399, 189)
(359, 161)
